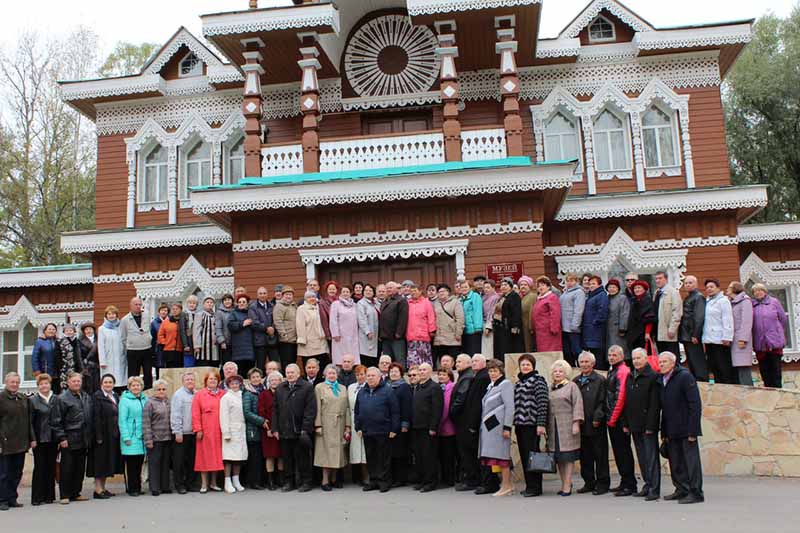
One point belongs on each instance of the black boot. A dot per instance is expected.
(271, 481)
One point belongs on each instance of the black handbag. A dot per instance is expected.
(541, 463)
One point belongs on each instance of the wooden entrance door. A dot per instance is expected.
(421, 271)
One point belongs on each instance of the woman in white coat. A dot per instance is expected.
(358, 454)
(368, 314)
(110, 352)
(234, 438)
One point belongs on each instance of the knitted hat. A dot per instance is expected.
(641, 283)
(614, 282)
(526, 279)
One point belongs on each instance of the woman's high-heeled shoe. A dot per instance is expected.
(507, 492)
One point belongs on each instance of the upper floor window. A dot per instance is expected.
(601, 30)
(153, 184)
(16, 349)
(234, 165)
(611, 143)
(191, 66)
(659, 135)
(561, 139)
(196, 168)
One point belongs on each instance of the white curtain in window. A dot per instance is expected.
(561, 139)
(235, 167)
(197, 168)
(659, 139)
(154, 188)
(610, 143)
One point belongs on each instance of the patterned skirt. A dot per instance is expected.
(419, 352)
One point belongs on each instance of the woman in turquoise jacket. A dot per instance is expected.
(131, 406)
(473, 318)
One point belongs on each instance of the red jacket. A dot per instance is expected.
(421, 320)
(616, 382)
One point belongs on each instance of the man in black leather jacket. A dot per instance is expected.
(293, 414)
(691, 330)
(71, 423)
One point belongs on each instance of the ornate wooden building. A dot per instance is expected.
(421, 139)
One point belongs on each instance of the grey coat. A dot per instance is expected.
(367, 323)
(572, 303)
(221, 318)
(497, 403)
(155, 421)
(619, 308)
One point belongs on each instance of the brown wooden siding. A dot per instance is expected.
(111, 184)
(160, 260)
(47, 295)
(772, 251)
(523, 248)
(285, 130)
(721, 262)
(118, 294)
(268, 268)
(707, 129)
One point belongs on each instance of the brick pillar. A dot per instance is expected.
(309, 100)
(252, 105)
(448, 77)
(509, 84)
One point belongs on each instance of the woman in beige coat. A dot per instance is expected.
(564, 423)
(332, 427)
(311, 340)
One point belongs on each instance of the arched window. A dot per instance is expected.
(611, 143)
(561, 140)
(190, 66)
(659, 134)
(234, 163)
(196, 168)
(601, 30)
(153, 184)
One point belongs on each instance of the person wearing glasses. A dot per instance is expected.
(630, 279)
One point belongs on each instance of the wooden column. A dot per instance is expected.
(252, 105)
(509, 84)
(448, 77)
(309, 100)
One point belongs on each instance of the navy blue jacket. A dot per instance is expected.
(377, 411)
(262, 319)
(681, 407)
(241, 337)
(44, 356)
(595, 316)
(403, 392)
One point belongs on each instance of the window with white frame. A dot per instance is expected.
(611, 142)
(196, 171)
(561, 139)
(659, 135)
(191, 66)
(601, 30)
(16, 349)
(153, 181)
(234, 162)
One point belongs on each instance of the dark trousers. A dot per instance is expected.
(255, 464)
(468, 465)
(425, 453)
(379, 460)
(11, 466)
(720, 364)
(669, 346)
(447, 460)
(158, 466)
(224, 356)
(43, 487)
(601, 356)
(621, 445)
(261, 357)
(244, 365)
(173, 359)
(73, 466)
(594, 459)
(133, 472)
(571, 345)
(684, 466)
(396, 349)
(296, 461)
(183, 454)
(696, 357)
(368, 360)
(769, 364)
(527, 442)
(288, 354)
(649, 463)
(471, 343)
(141, 359)
(489, 480)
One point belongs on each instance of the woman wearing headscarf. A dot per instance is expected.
(206, 427)
(87, 345)
(507, 321)
(358, 454)
(369, 312)
(234, 433)
(256, 425)
(203, 336)
(106, 455)
(270, 445)
(343, 326)
(642, 316)
(332, 427)
(68, 355)
(110, 352)
(528, 301)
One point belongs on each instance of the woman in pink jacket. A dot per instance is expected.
(546, 317)
(421, 328)
(447, 431)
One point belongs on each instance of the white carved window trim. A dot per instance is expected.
(228, 158)
(185, 149)
(195, 66)
(600, 19)
(660, 169)
(159, 204)
(23, 353)
(571, 118)
(622, 172)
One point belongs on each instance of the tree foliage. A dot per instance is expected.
(127, 58)
(762, 104)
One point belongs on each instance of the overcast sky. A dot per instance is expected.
(156, 20)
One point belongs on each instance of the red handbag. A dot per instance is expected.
(652, 354)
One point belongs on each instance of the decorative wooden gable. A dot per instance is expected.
(605, 21)
(183, 56)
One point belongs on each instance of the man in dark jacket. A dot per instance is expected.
(464, 440)
(428, 400)
(377, 420)
(681, 410)
(641, 420)
(293, 414)
(472, 472)
(16, 437)
(264, 339)
(594, 436)
(392, 324)
(691, 330)
(615, 404)
(347, 374)
(71, 423)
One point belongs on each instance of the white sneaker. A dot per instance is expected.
(229, 488)
(238, 486)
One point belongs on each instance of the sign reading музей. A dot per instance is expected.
(498, 271)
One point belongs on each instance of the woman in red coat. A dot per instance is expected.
(546, 317)
(269, 443)
(208, 435)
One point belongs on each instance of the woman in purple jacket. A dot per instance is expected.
(769, 335)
